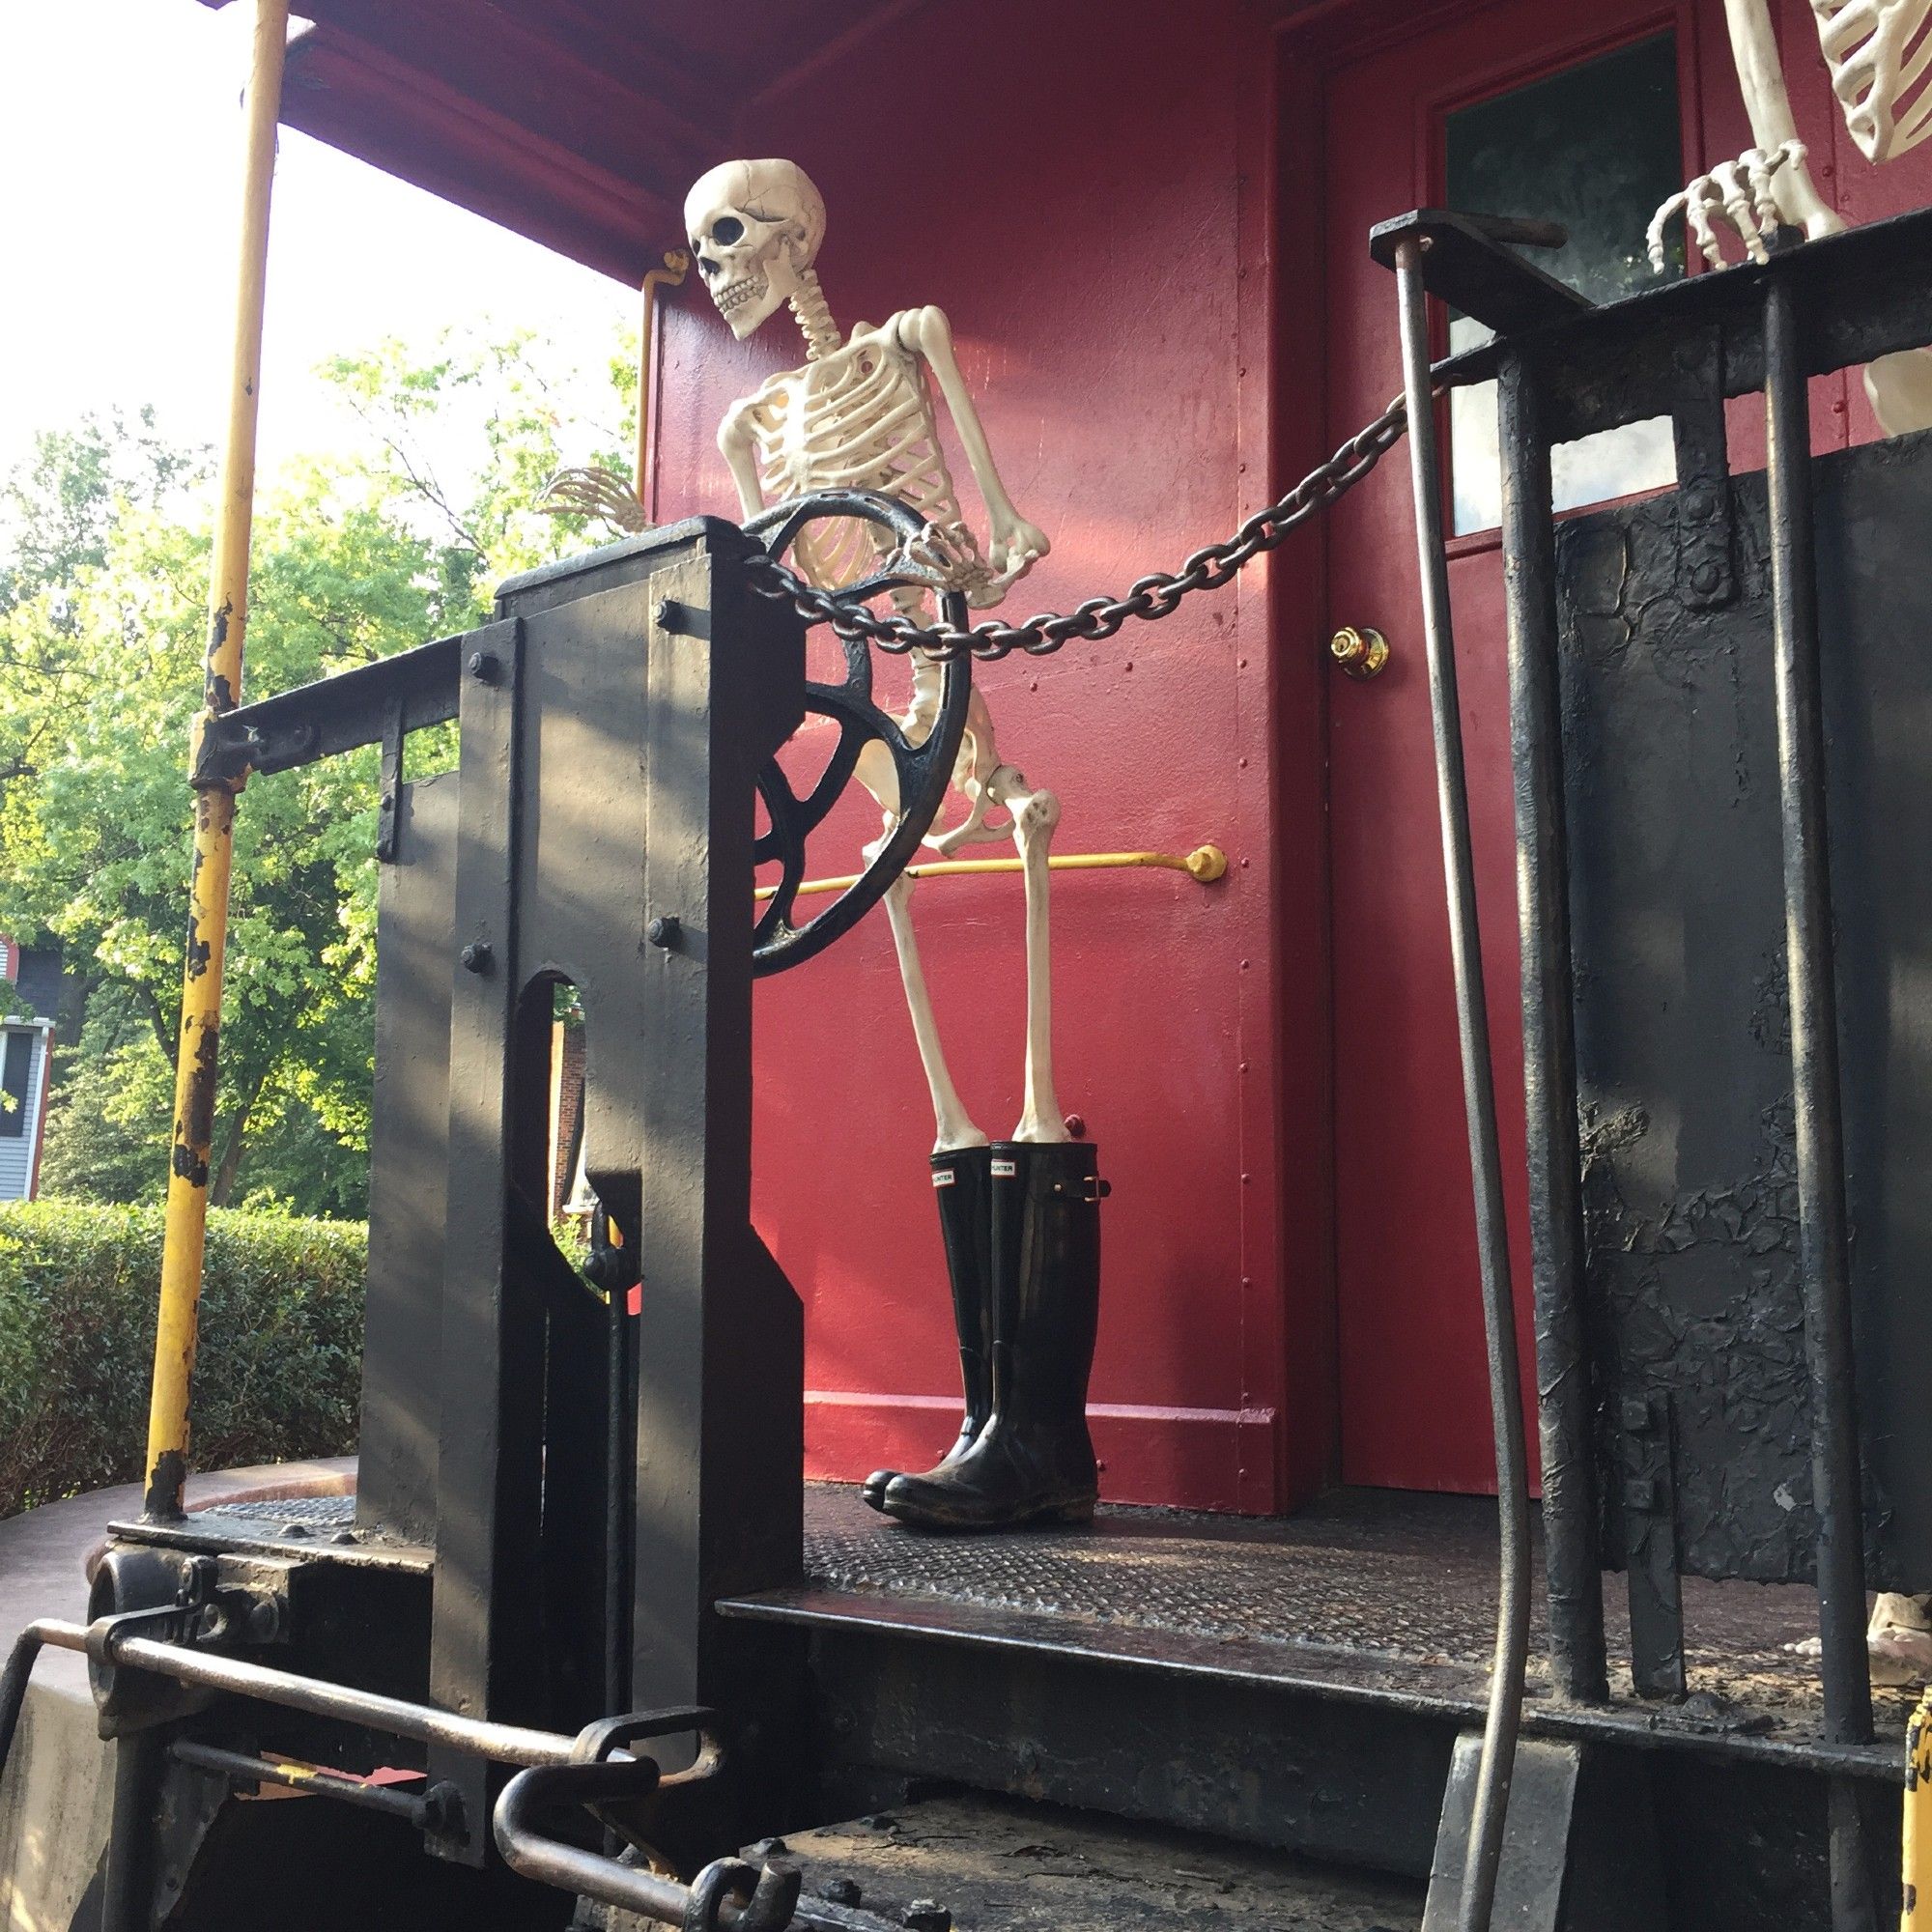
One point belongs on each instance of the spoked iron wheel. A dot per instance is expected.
(922, 770)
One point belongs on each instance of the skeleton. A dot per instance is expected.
(859, 416)
(1878, 54)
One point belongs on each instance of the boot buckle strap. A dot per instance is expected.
(1092, 1189)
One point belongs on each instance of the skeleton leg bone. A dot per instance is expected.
(1035, 815)
(991, 786)
(953, 1126)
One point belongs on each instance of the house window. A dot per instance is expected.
(1598, 148)
(16, 1080)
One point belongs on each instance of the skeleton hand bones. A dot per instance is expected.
(1742, 197)
(1016, 546)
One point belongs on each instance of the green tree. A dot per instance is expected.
(103, 557)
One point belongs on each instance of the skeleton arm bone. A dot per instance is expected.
(1761, 81)
(1016, 544)
(738, 445)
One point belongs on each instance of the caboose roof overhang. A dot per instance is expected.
(579, 125)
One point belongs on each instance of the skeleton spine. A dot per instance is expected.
(813, 315)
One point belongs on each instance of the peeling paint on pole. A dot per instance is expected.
(197, 1064)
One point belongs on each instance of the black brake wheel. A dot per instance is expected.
(923, 771)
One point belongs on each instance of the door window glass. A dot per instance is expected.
(1595, 148)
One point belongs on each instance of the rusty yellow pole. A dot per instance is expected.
(1917, 1892)
(676, 263)
(186, 1222)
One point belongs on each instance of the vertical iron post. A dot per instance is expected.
(1505, 1710)
(127, 1877)
(196, 1054)
(1566, 1399)
(1823, 1248)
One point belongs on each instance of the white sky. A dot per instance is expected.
(119, 149)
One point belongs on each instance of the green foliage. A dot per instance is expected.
(280, 1369)
(105, 539)
(499, 413)
(57, 510)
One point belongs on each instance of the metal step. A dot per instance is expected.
(1298, 1686)
(992, 1863)
(1367, 1597)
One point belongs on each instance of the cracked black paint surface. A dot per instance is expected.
(1683, 1048)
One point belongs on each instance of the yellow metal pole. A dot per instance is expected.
(186, 1222)
(1918, 1875)
(1205, 862)
(676, 264)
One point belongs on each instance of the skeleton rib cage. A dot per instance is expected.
(1879, 53)
(860, 419)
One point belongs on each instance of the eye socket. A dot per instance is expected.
(727, 229)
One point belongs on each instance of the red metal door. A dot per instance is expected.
(1578, 114)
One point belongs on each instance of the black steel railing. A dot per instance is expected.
(1566, 370)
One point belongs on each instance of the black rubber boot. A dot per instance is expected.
(1034, 1460)
(962, 1186)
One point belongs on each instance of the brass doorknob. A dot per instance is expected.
(1361, 652)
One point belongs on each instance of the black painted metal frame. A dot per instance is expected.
(1564, 370)
(613, 721)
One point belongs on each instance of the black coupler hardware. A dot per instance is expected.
(1021, 1223)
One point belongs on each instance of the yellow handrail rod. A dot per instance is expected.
(1205, 862)
(185, 1228)
(676, 264)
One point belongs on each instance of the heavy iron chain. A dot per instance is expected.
(1155, 595)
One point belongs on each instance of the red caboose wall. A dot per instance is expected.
(1125, 212)
(1148, 224)
(1090, 261)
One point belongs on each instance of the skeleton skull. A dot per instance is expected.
(755, 226)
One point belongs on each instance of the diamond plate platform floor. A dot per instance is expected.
(1368, 1593)
(294, 1517)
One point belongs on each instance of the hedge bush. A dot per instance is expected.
(279, 1367)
